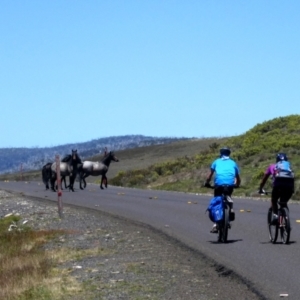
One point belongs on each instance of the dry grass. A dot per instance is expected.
(27, 271)
(24, 265)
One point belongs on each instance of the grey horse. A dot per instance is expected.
(46, 175)
(68, 167)
(96, 168)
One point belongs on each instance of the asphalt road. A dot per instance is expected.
(271, 268)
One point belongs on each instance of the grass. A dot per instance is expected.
(27, 271)
(23, 263)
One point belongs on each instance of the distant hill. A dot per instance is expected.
(11, 159)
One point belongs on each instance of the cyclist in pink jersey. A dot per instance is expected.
(282, 192)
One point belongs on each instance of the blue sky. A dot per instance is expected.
(73, 71)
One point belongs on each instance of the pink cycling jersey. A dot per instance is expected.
(271, 171)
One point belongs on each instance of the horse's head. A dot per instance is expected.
(113, 157)
(75, 157)
(108, 158)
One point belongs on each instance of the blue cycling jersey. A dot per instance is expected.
(225, 170)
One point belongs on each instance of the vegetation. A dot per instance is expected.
(24, 265)
(253, 151)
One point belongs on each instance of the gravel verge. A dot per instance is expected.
(115, 259)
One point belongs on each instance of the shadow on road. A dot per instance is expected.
(228, 242)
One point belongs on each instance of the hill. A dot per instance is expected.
(136, 158)
(253, 151)
(11, 159)
(183, 165)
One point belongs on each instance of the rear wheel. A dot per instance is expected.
(220, 230)
(223, 226)
(285, 226)
(273, 229)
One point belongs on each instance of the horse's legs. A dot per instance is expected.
(46, 177)
(63, 179)
(85, 175)
(103, 180)
(47, 184)
(52, 182)
(71, 185)
(81, 178)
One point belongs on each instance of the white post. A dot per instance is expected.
(59, 192)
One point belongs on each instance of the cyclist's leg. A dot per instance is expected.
(274, 198)
(285, 196)
(218, 191)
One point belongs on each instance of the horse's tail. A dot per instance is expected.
(46, 173)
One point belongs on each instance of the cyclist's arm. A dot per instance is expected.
(237, 180)
(210, 175)
(264, 180)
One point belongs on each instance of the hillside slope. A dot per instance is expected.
(253, 151)
(136, 158)
(11, 159)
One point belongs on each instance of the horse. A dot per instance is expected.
(96, 168)
(46, 175)
(68, 167)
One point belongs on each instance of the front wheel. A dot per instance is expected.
(273, 229)
(285, 226)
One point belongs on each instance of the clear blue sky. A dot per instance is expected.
(73, 71)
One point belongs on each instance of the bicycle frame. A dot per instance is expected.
(283, 224)
(223, 225)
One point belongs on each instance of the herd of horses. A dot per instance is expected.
(73, 167)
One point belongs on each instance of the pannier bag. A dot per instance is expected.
(215, 209)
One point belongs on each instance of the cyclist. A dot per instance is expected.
(226, 173)
(281, 189)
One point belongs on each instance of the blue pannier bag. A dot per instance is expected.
(215, 209)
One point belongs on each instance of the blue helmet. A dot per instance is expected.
(281, 156)
(225, 151)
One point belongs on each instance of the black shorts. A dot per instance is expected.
(281, 194)
(219, 190)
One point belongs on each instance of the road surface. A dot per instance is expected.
(272, 269)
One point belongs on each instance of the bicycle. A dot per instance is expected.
(282, 224)
(228, 215)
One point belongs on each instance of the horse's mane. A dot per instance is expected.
(67, 158)
(47, 165)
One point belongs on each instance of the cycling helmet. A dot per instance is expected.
(281, 156)
(225, 151)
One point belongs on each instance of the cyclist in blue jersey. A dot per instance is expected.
(226, 173)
